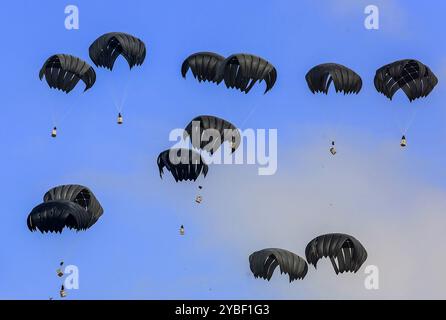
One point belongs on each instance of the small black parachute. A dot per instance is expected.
(198, 127)
(72, 206)
(183, 164)
(204, 66)
(105, 50)
(413, 77)
(345, 252)
(264, 262)
(345, 80)
(63, 72)
(241, 71)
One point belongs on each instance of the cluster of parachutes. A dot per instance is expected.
(187, 164)
(72, 206)
(414, 78)
(240, 71)
(346, 254)
(63, 71)
(76, 207)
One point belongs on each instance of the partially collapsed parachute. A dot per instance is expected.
(63, 72)
(73, 206)
(345, 252)
(204, 66)
(105, 50)
(183, 164)
(345, 80)
(413, 77)
(209, 132)
(264, 262)
(241, 71)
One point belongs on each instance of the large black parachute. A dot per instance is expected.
(183, 164)
(345, 80)
(73, 206)
(241, 71)
(413, 77)
(264, 262)
(63, 72)
(197, 130)
(105, 50)
(345, 252)
(204, 66)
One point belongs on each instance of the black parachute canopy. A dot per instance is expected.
(241, 71)
(345, 252)
(264, 262)
(201, 127)
(183, 164)
(105, 50)
(413, 77)
(73, 206)
(63, 72)
(204, 66)
(345, 80)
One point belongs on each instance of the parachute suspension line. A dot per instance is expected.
(413, 115)
(251, 112)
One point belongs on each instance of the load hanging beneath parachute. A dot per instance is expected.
(63, 72)
(72, 206)
(264, 262)
(183, 164)
(240, 71)
(345, 80)
(209, 132)
(345, 252)
(105, 50)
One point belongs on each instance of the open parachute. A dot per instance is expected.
(73, 206)
(345, 252)
(409, 75)
(344, 79)
(105, 50)
(240, 71)
(209, 132)
(183, 164)
(63, 72)
(264, 262)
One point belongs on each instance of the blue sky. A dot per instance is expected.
(391, 200)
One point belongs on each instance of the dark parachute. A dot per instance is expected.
(264, 262)
(204, 66)
(226, 130)
(346, 250)
(63, 72)
(345, 80)
(184, 164)
(72, 206)
(242, 71)
(413, 77)
(105, 50)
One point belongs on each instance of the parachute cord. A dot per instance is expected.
(251, 112)
(411, 120)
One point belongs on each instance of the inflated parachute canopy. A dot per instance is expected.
(345, 252)
(209, 132)
(183, 164)
(105, 50)
(73, 206)
(63, 72)
(413, 77)
(241, 71)
(264, 262)
(345, 80)
(204, 66)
